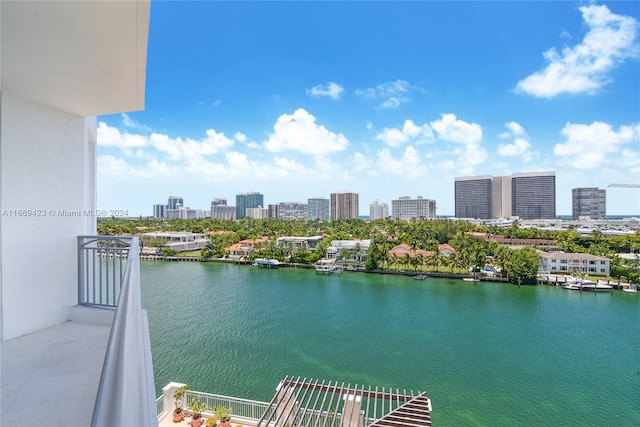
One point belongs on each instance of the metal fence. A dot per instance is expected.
(101, 265)
(244, 408)
(160, 406)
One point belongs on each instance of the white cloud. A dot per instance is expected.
(395, 137)
(128, 122)
(361, 163)
(451, 129)
(111, 137)
(520, 147)
(331, 89)
(514, 129)
(587, 146)
(240, 137)
(299, 132)
(585, 66)
(178, 148)
(407, 166)
(631, 160)
(391, 94)
(121, 169)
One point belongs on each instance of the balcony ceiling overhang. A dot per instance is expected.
(82, 57)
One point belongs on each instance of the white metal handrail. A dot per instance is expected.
(126, 394)
(101, 264)
(245, 408)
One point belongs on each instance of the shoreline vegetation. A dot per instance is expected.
(476, 246)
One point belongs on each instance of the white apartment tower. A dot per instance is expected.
(406, 208)
(378, 210)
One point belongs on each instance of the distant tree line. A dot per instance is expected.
(471, 256)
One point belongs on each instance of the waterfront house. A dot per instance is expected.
(179, 240)
(403, 249)
(299, 242)
(356, 249)
(243, 248)
(562, 262)
(63, 64)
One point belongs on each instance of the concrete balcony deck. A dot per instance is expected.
(51, 376)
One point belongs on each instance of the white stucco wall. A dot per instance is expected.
(47, 165)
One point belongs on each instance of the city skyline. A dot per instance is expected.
(269, 100)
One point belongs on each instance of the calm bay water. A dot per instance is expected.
(488, 355)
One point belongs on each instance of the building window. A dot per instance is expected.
(563, 268)
(563, 261)
(602, 270)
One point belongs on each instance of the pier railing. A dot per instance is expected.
(101, 267)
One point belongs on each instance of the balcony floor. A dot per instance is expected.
(50, 377)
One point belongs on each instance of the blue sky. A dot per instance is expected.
(386, 99)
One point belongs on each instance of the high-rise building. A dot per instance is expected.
(159, 210)
(223, 212)
(378, 210)
(501, 197)
(318, 208)
(406, 208)
(175, 202)
(533, 195)
(246, 201)
(219, 202)
(345, 204)
(530, 195)
(292, 210)
(473, 197)
(273, 211)
(257, 213)
(589, 201)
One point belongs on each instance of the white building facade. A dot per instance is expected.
(378, 210)
(405, 208)
(63, 64)
(563, 262)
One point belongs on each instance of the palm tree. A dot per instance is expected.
(456, 261)
(435, 259)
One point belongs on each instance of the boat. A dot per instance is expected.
(471, 279)
(328, 269)
(630, 288)
(587, 285)
(266, 263)
(420, 277)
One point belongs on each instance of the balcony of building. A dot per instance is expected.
(96, 368)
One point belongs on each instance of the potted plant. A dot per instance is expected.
(197, 406)
(211, 422)
(224, 415)
(178, 413)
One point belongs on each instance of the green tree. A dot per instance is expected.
(522, 266)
